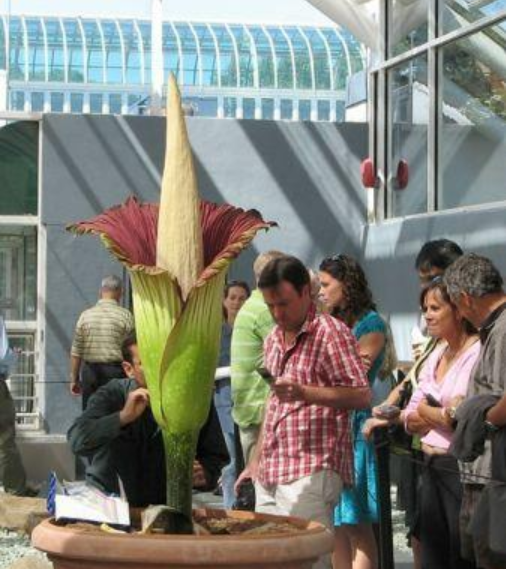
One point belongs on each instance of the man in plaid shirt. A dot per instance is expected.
(304, 455)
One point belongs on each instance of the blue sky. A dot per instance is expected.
(231, 10)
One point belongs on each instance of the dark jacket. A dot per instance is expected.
(489, 516)
(489, 519)
(135, 452)
(468, 441)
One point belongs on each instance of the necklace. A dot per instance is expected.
(452, 354)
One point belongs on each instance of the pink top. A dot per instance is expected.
(453, 384)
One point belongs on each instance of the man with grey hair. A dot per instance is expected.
(476, 288)
(249, 391)
(96, 350)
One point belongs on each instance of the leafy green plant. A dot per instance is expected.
(177, 254)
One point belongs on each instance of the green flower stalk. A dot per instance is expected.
(177, 255)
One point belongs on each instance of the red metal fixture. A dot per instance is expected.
(368, 173)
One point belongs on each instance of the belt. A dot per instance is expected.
(103, 363)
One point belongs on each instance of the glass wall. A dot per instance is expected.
(458, 14)
(443, 107)
(408, 25)
(407, 129)
(473, 120)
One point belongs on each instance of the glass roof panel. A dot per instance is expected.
(145, 30)
(190, 54)
(320, 57)
(302, 59)
(113, 55)
(95, 54)
(227, 56)
(3, 46)
(75, 50)
(36, 56)
(17, 56)
(171, 63)
(209, 56)
(265, 58)
(245, 50)
(283, 56)
(55, 50)
(133, 51)
(344, 57)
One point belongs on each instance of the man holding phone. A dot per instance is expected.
(304, 454)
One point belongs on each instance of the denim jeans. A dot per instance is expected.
(223, 404)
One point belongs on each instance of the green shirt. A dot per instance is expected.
(249, 391)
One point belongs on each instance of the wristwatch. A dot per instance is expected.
(490, 427)
(451, 412)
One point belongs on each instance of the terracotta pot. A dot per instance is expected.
(72, 548)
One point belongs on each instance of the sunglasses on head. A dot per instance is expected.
(333, 259)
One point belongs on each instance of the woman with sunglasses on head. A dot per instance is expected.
(442, 384)
(345, 292)
(235, 295)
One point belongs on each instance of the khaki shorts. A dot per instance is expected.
(311, 497)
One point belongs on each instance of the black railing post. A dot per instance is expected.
(386, 549)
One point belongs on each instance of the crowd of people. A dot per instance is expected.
(305, 377)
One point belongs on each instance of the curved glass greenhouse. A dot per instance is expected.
(225, 70)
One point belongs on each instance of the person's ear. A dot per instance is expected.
(466, 299)
(128, 368)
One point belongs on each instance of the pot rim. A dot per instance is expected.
(79, 544)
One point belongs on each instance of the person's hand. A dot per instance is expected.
(199, 479)
(373, 423)
(75, 387)
(424, 408)
(366, 360)
(376, 410)
(287, 391)
(249, 473)
(417, 351)
(135, 405)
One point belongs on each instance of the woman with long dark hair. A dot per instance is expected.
(346, 293)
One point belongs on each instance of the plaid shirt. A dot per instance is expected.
(299, 438)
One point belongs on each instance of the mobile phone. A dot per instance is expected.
(266, 374)
(432, 401)
(388, 411)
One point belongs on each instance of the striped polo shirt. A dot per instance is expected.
(100, 331)
(249, 391)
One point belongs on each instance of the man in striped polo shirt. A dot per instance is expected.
(96, 350)
(249, 391)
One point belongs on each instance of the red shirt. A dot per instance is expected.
(302, 438)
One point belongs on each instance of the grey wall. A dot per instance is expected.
(389, 251)
(305, 176)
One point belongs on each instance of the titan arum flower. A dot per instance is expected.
(177, 255)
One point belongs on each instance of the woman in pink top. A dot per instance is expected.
(442, 385)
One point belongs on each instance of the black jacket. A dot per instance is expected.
(135, 452)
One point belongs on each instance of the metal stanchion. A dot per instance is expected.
(386, 549)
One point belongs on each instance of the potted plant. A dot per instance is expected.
(177, 254)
